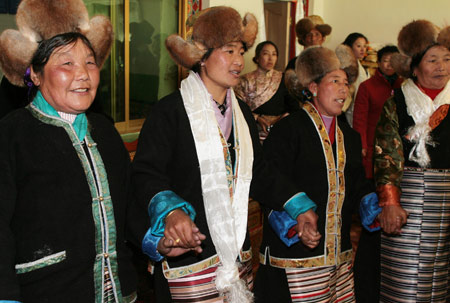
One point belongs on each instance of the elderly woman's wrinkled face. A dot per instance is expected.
(330, 93)
(70, 78)
(267, 58)
(434, 68)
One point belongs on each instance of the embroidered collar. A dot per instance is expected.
(80, 123)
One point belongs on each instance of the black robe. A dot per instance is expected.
(295, 147)
(166, 159)
(46, 208)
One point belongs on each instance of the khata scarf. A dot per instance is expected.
(420, 107)
(226, 217)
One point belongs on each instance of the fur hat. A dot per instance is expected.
(39, 20)
(305, 25)
(414, 39)
(212, 28)
(317, 61)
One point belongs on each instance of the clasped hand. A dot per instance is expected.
(307, 229)
(392, 218)
(181, 235)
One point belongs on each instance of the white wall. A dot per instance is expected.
(256, 7)
(379, 20)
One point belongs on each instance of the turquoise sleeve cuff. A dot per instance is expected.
(281, 223)
(369, 210)
(162, 204)
(299, 204)
(150, 245)
(9, 301)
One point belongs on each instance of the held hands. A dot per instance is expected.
(265, 125)
(181, 235)
(392, 218)
(307, 229)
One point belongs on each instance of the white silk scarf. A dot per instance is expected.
(420, 107)
(226, 216)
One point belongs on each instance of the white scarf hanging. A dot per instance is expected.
(226, 218)
(420, 107)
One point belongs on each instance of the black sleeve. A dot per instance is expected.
(9, 287)
(268, 186)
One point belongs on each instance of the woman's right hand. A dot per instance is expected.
(180, 233)
(392, 218)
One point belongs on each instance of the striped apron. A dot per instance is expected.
(201, 286)
(322, 284)
(415, 264)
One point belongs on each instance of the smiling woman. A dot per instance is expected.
(322, 156)
(67, 74)
(64, 199)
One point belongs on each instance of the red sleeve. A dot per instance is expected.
(361, 113)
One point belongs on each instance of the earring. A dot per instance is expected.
(414, 74)
(202, 64)
(314, 94)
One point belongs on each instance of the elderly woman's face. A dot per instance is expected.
(70, 78)
(267, 58)
(331, 93)
(434, 68)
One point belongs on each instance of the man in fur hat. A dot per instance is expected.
(310, 31)
(198, 159)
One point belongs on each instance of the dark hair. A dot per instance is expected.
(388, 49)
(197, 66)
(47, 47)
(352, 38)
(260, 47)
(415, 60)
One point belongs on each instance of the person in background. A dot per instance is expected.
(198, 159)
(264, 91)
(322, 156)
(358, 43)
(369, 102)
(310, 31)
(412, 169)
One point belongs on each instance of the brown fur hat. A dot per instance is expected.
(213, 28)
(315, 62)
(413, 40)
(305, 25)
(39, 20)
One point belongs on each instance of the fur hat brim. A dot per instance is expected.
(414, 39)
(18, 47)
(213, 28)
(317, 61)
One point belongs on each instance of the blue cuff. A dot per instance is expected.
(162, 204)
(149, 246)
(9, 301)
(369, 210)
(299, 204)
(281, 223)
